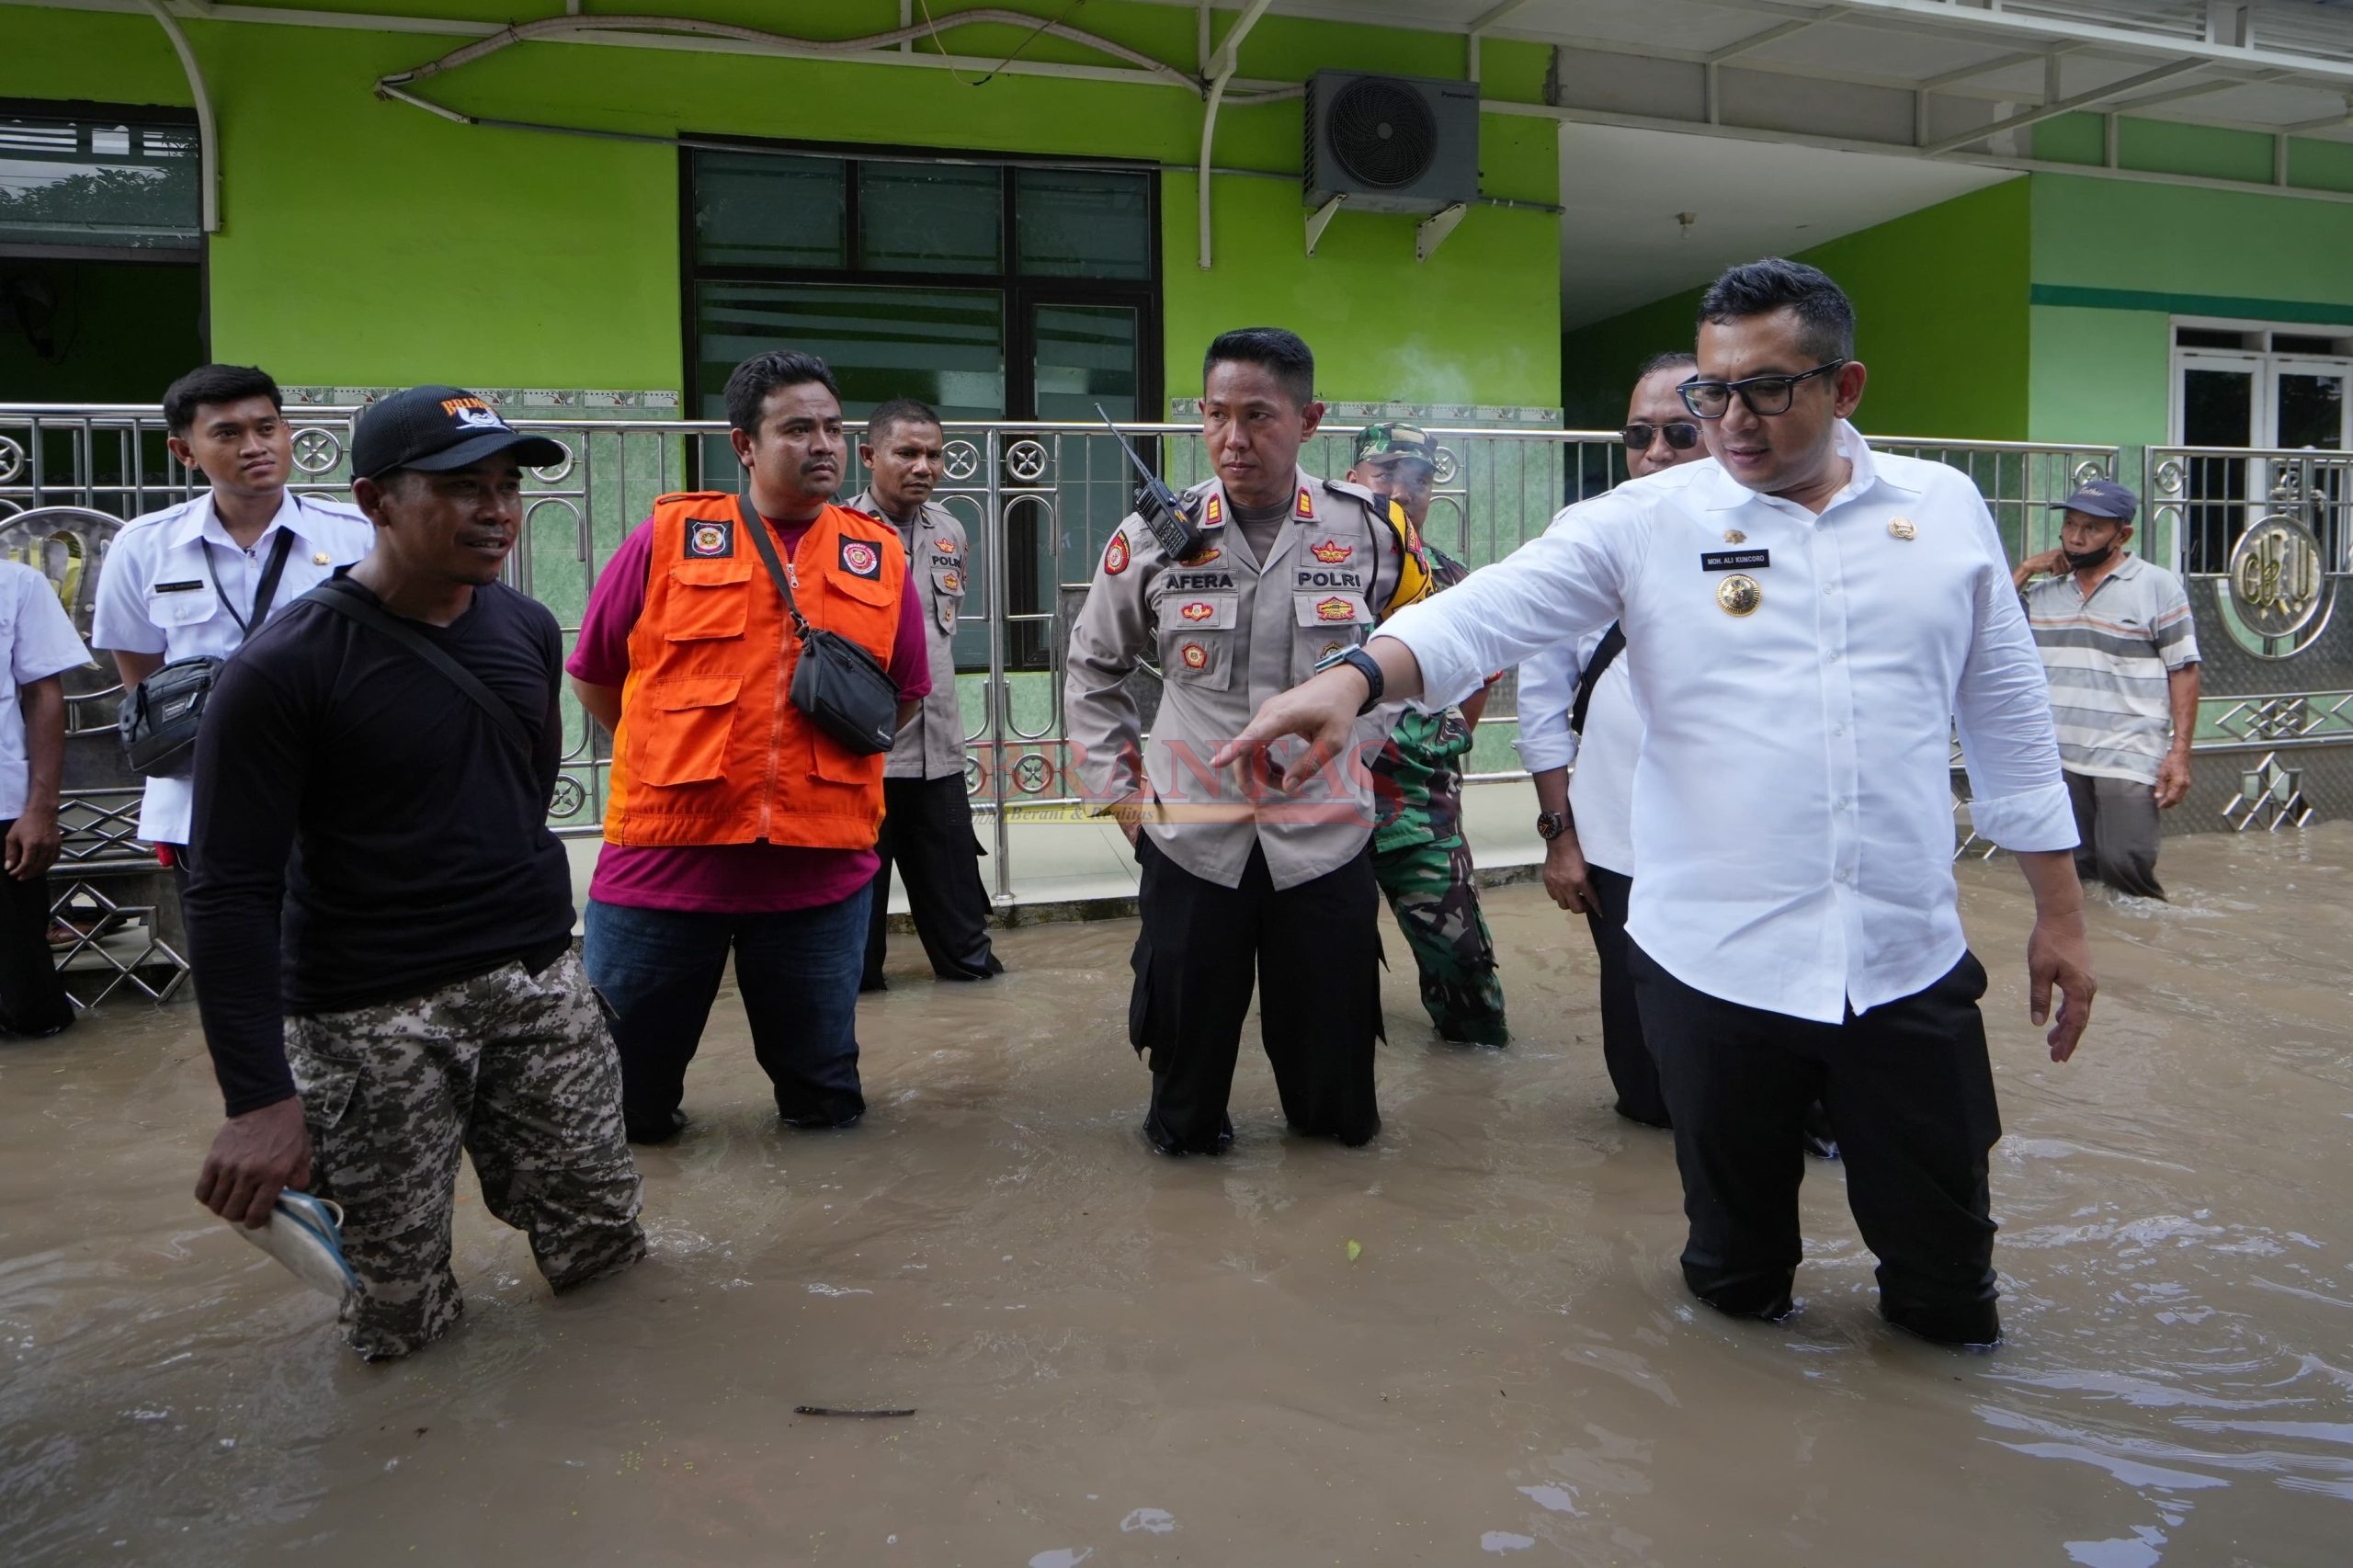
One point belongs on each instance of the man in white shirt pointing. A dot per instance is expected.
(1804, 619)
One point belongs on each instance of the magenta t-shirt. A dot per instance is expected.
(721, 878)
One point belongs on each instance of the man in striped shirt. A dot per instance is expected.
(2121, 654)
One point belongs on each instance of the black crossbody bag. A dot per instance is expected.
(158, 719)
(843, 689)
(347, 602)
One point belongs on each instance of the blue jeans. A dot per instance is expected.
(658, 970)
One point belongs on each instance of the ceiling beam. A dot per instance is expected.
(1943, 16)
(1789, 28)
(2067, 106)
(1487, 18)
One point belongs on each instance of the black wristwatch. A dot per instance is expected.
(1364, 665)
(1549, 825)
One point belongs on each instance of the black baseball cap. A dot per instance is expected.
(435, 429)
(2102, 498)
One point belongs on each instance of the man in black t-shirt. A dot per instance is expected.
(377, 763)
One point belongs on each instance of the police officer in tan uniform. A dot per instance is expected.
(1292, 572)
(927, 818)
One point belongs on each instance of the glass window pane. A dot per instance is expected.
(1086, 355)
(1082, 223)
(752, 210)
(76, 183)
(930, 218)
(946, 347)
(2217, 408)
(2311, 411)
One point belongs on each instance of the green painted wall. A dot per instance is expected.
(1951, 359)
(2115, 261)
(367, 241)
(2187, 240)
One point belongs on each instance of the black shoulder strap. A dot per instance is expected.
(1613, 642)
(349, 605)
(757, 527)
(265, 591)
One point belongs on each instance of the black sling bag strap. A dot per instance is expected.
(843, 689)
(349, 605)
(265, 591)
(1613, 642)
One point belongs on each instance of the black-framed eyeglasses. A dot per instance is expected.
(1765, 395)
(1680, 434)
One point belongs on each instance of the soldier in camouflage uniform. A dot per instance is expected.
(382, 917)
(1419, 855)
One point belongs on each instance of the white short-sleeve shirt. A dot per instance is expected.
(41, 643)
(170, 579)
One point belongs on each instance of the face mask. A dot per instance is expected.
(2084, 560)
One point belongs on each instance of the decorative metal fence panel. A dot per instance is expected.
(1039, 502)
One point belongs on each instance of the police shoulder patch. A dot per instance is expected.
(1115, 556)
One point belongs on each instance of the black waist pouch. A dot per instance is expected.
(843, 689)
(158, 719)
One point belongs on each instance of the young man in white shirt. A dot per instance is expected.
(185, 580)
(41, 646)
(1806, 619)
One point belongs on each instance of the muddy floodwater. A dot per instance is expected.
(1466, 1343)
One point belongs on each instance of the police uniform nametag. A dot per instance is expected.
(860, 559)
(1734, 560)
(710, 538)
(191, 586)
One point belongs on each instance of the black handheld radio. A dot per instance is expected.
(1159, 507)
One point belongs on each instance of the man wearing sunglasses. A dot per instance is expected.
(1576, 706)
(1807, 621)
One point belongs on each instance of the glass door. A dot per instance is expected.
(2311, 413)
(2224, 402)
(1083, 355)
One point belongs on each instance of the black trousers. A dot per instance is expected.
(1911, 1090)
(1316, 952)
(32, 997)
(1631, 1070)
(927, 834)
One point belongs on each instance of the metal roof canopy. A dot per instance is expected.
(1699, 132)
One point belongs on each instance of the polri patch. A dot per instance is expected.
(710, 538)
(1734, 560)
(860, 559)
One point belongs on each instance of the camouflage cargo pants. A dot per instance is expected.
(513, 1068)
(1429, 888)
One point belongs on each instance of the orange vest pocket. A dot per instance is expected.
(707, 600)
(686, 742)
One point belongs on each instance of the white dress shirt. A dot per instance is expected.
(1792, 810)
(41, 643)
(162, 586)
